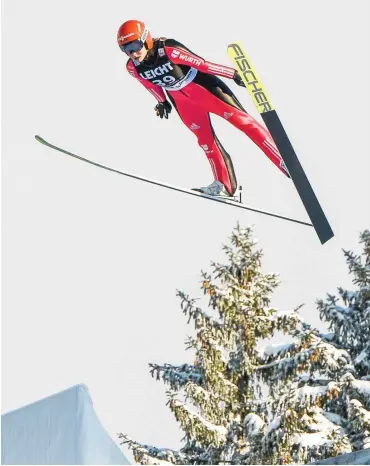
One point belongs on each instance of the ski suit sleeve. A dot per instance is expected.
(155, 90)
(181, 55)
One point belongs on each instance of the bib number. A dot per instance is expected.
(165, 81)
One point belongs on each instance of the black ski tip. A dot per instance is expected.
(325, 235)
(40, 139)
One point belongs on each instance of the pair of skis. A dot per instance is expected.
(272, 121)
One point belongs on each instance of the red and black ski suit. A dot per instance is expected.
(193, 88)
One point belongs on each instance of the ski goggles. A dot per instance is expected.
(131, 47)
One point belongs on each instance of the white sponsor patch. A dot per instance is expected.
(189, 59)
(158, 71)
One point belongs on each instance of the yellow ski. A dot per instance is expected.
(264, 106)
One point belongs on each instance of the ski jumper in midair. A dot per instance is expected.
(169, 70)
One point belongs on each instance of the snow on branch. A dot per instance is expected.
(358, 388)
(176, 376)
(319, 355)
(197, 427)
(148, 454)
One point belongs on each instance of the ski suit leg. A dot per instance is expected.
(258, 134)
(229, 108)
(197, 119)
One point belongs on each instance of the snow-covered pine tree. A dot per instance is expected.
(220, 400)
(349, 320)
(301, 379)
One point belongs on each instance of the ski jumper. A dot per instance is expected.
(194, 89)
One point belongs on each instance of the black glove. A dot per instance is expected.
(238, 80)
(163, 109)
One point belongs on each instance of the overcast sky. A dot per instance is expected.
(91, 259)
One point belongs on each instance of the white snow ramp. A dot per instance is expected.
(60, 429)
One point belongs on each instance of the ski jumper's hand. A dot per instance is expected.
(163, 109)
(238, 79)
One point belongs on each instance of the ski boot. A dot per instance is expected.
(216, 189)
